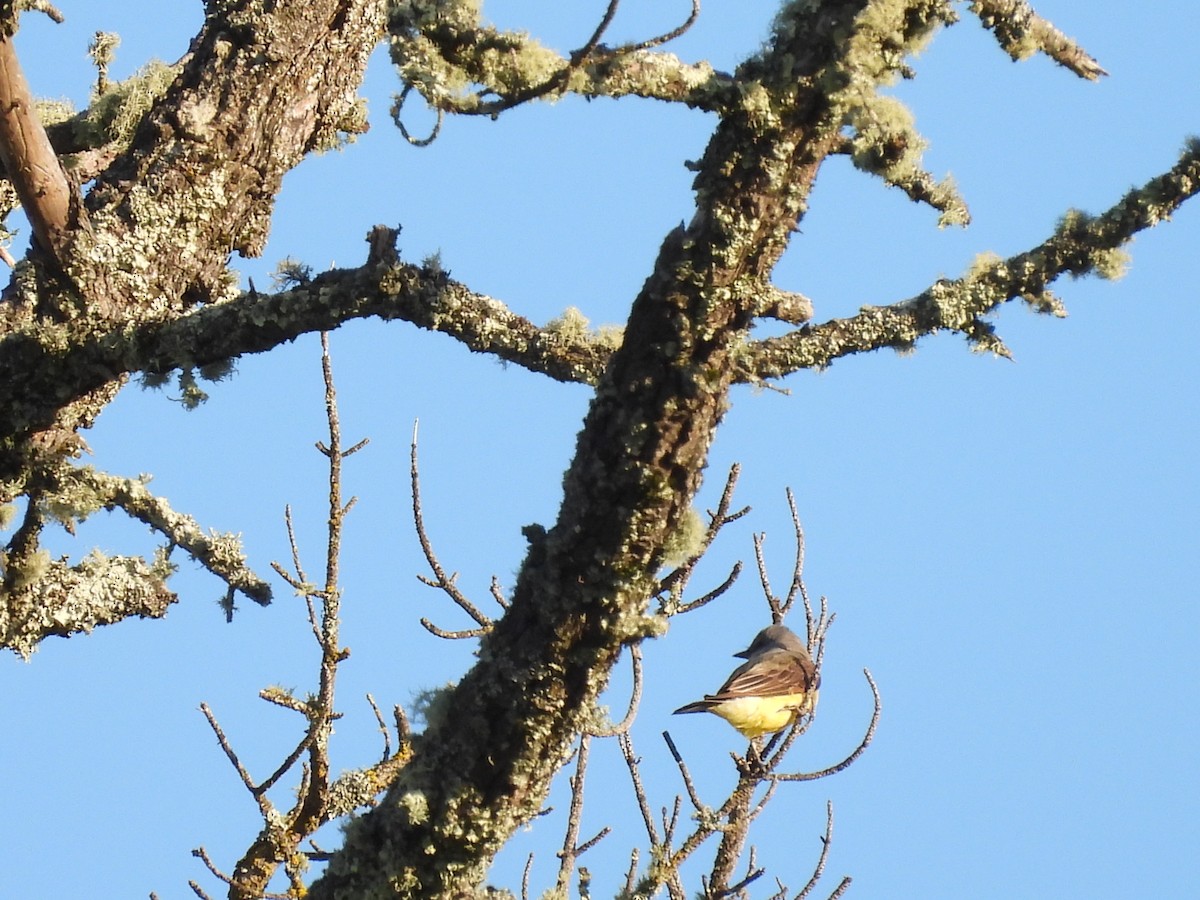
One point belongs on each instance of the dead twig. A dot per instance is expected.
(826, 840)
(635, 698)
(572, 850)
(758, 775)
(858, 751)
(671, 587)
(318, 798)
(441, 580)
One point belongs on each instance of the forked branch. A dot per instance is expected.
(446, 582)
(318, 799)
(757, 769)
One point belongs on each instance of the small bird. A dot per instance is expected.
(777, 683)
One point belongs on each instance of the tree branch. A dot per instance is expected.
(438, 50)
(25, 151)
(68, 600)
(1081, 245)
(43, 376)
(1022, 32)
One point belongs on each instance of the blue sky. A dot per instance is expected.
(1009, 546)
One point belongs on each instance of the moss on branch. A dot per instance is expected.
(1081, 245)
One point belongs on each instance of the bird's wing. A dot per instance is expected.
(770, 675)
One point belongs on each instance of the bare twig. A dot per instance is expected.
(820, 628)
(383, 729)
(631, 875)
(201, 854)
(716, 592)
(525, 877)
(299, 581)
(498, 593)
(440, 580)
(797, 587)
(670, 822)
(639, 792)
(765, 581)
(753, 873)
(318, 798)
(688, 784)
(285, 766)
(675, 582)
(826, 840)
(454, 635)
(590, 53)
(635, 697)
(1022, 32)
(230, 753)
(570, 850)
(403, 731)
(858, 751)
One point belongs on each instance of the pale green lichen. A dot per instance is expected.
(886, 143)
(687, 540)
(116, 111)
(609, 337)
(31, 568)
(102, 50)
(67, 600)
(415, 806)
(432, 264)
(191, 395)
(572, 325)
(1107, 262)
(575, 328)
(445, 52)
(52, 112)
(433, 705)
(9, 201)
(353, 121)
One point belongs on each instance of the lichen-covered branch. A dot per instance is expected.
(1081, 245)
(260, 87)
(40, 363)
(886, 143)
(1022, 32)
(143, 286)
(461, 65)
(61, 600)
(221, 554)
(66, 495)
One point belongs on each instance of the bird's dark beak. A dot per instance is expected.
(744, 654)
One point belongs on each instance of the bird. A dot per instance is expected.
(777, 684)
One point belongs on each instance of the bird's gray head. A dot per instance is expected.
(773, 637)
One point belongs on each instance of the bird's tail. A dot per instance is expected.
(698, 706)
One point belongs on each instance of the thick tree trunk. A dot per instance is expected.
(484, 765)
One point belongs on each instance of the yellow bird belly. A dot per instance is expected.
(756, 716)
